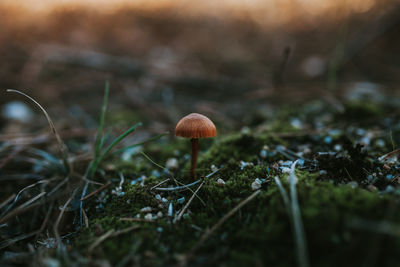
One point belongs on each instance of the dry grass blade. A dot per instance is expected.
(20, 193)
(46, 219)
(219, 224)
(58, 186)
(85, 218)
(7, 159)
(285, 196)
(100, 240)
(177, 187)
(61, 144)
(300, 238)
(111, 233)
(127, 230)
(14, 240)
(96, 191)
(136, 220)
(57, 223)
(160, 183)
(390, 157)
(21, 208)
(7, 200)
(188, 203)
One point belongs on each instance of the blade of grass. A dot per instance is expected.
(154, 138)
(97, 162)
(216, 226)
(155, 163)
(284, 195)
(300, 239)
(99, 138)
(61, 145)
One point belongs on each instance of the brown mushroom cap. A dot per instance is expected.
(195, 126)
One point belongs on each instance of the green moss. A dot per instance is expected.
(362, 110)
(258, 234)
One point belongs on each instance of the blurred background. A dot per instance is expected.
(232, 60)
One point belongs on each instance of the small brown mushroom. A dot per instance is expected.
(195, 126)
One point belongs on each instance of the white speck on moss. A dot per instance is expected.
(221, 182)
(256, 184)
(146, 209)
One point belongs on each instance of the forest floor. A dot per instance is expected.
(312, 184)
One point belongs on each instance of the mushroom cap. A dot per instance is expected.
(195, 125)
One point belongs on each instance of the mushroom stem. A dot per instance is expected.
(195, 148)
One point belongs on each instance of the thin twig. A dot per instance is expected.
(19, 194)
(100, 240)
(285, 196)
(160, 183)
(21, 208)
(7, 159)
(155, 163)
(127, 219)
(127, 230)
(177, 187)
(188, 203)
(58, 186)
(85, 218)
(96, 191)
(6, 201)
(14, 240)
(60, 246)
(219, 224)
(185, 186)
(61, 144)
(46, 219)
(111, 233)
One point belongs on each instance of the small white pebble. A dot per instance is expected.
(159, 214)
(245, 130)
(172, 164)
(256, 184)
(170, 210)
(214, 168)
(245, 164)
(148, 216)
(220, 182)
(146, 209)
(138, 216)
(49, 262)
(17, 111)
(353, 184)
(263, 153)
(337, 147)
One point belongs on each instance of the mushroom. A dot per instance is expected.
(195, 126)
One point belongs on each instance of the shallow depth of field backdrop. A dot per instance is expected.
(282, 80)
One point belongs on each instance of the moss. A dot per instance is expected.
(362, 110)
(258, 234)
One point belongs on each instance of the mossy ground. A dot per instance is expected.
(337, 216)
(348, 198)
